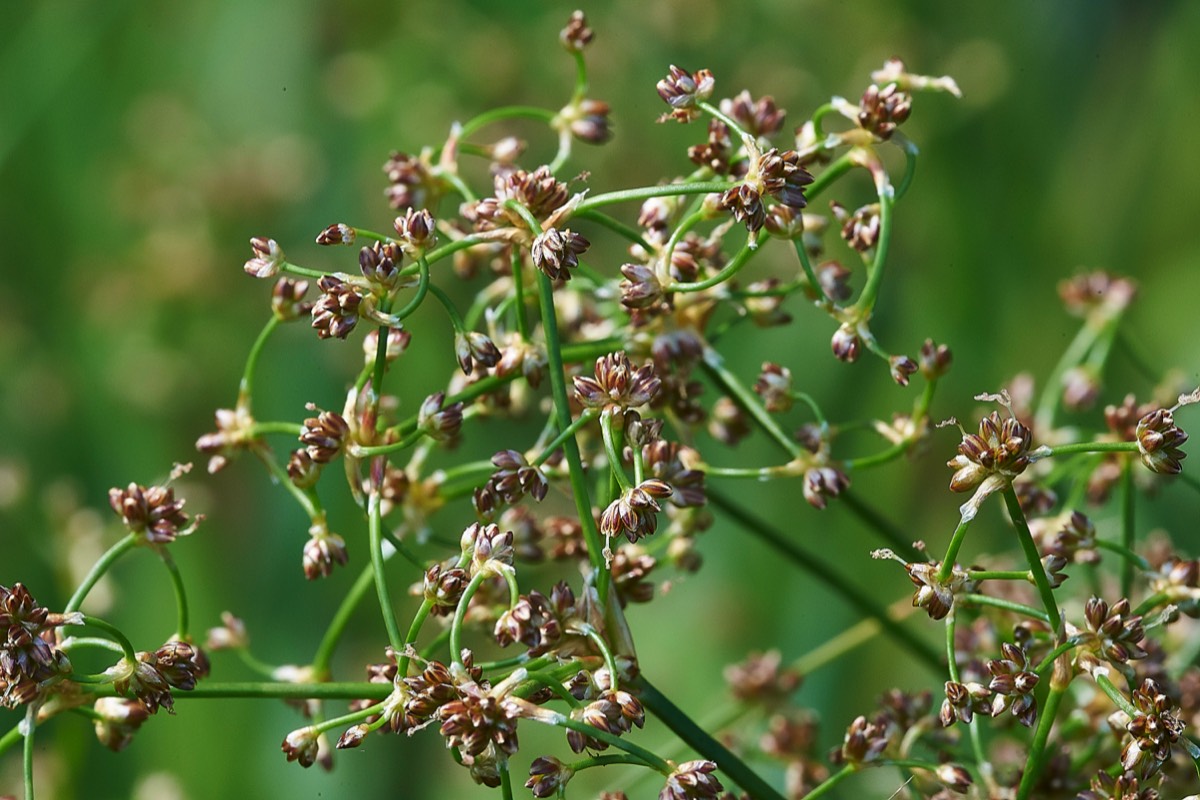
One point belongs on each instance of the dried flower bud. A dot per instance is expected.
(587, 120)
(759, 678)
(641, 287)
(231, 634)
(398, 340)
(324, 436)
(727, 423)
(557, 252)
(416, 230)
(1155, 729)
(1013, 683)
(117, 720)
(864, 742)
(617, 384)
(846, 343)
(152, 512)
(338, 233)
(575, 37)
(881, 111)
(1001, 447)
(821, 483)
(682, 90)
(935, 360)
(774, 386)
(411, 184)
(287, 299)
(323, 550)
(336, 312)
(933, 594)
(473, 347)
(954, 777)
(902, 368)
(353, 736)
(1159, 440)
(441, 423)
(634, 513)
(268, 258)
(860, 229)
(692, 780)
(301, 745)
(761, 118)
(548, 775)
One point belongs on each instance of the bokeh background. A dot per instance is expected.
(143, 143)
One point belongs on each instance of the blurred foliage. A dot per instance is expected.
(143, 143)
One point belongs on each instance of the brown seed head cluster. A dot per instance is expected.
(881, 111)
(153, 512)
(1000, 447)
(617, 384)
(557, 252)
(336, 311)
(1159, 441)
(682, 90)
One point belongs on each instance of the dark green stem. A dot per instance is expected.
(1032, 556)
(1007, 605)
(956, 541)
(823, 572)
(703, 743)
(27, 755)
(246, 386)
(115, 633)
(646, 192)
(181, 602)
(714, 365)
(1037, 750)
(102, 565)
(729, 270)
(341, 618)
(374, 529)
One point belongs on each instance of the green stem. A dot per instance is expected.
(823, 572)
(702, 742)
(181, 603)
(714, 365)
(614, 456)
(341, 618)
(729, 270)
(245, 387)
(102, 565)
(1037, 750)
(505, 780)
(830, 782)
(27, 755)
(115, 633)
(1052, 395)
(414, 630)
(1125, 553)
(587, 416)
(606, 760)
(615, 225)
(460, 614)
(10, 738)
(836, 169)
(956, 542)
(876, 459)
(646, 192)
(518, 279)
(1128, 517)
(288, 428)
(503, 113)
(275, 690)
(730, 123)
(1032, 556)
(374, 530)
(562, 408)
(303, 272)
(806, 265)
(1007, 605)
(649, 758)
(866, 300)
(999, 574)
(1087, 447)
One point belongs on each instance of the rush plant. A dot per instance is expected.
(1067, 663)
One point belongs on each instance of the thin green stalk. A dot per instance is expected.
(102, 565)
(648, 757)
(562, 408)
(730, 123)
(876, 459)
(1032, 556)
(448, 304)
(729, 270)
(1007, 605)
(181, 603)
(866, 300)
(115, 633)
(275, 690)
(910, 166)
(341, 618)
(836, 169)
(518, 279)
(1052, 393)
(999, 574)
(306, 498)
(374, 528)
(1128, 518)
(714, 365)
(460, 614)
(646, 192)
(1087, 447)
(505, 113)
(1037, 751)
(606, 760)
(806, 265)
(414, 630)
(423, 285)
(702, 742)
(830, 782)
(450, 248)
(245, 387)
(952, 664)
(286, 428)
(27, 755)
(824, 572)
(615, 225)
(505, 780)
(587, 416)
(614, 456)
(11, 737)
(1125, 553)
(956, 542)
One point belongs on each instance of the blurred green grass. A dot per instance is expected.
(142, 144)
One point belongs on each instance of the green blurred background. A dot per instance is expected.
(143, 143)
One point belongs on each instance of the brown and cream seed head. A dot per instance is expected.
(268, 258)
(335, 312)
(1159, 441)
(682, 90)
(338, 233)
(557, 252)
(576, 35)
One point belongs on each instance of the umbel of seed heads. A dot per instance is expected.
(774, 174)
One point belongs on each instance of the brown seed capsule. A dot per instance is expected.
(336, 312)
(557, 252)
(1159, 440)
(268, 258)
(338, 233)
(575, 37)
(682, 90)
